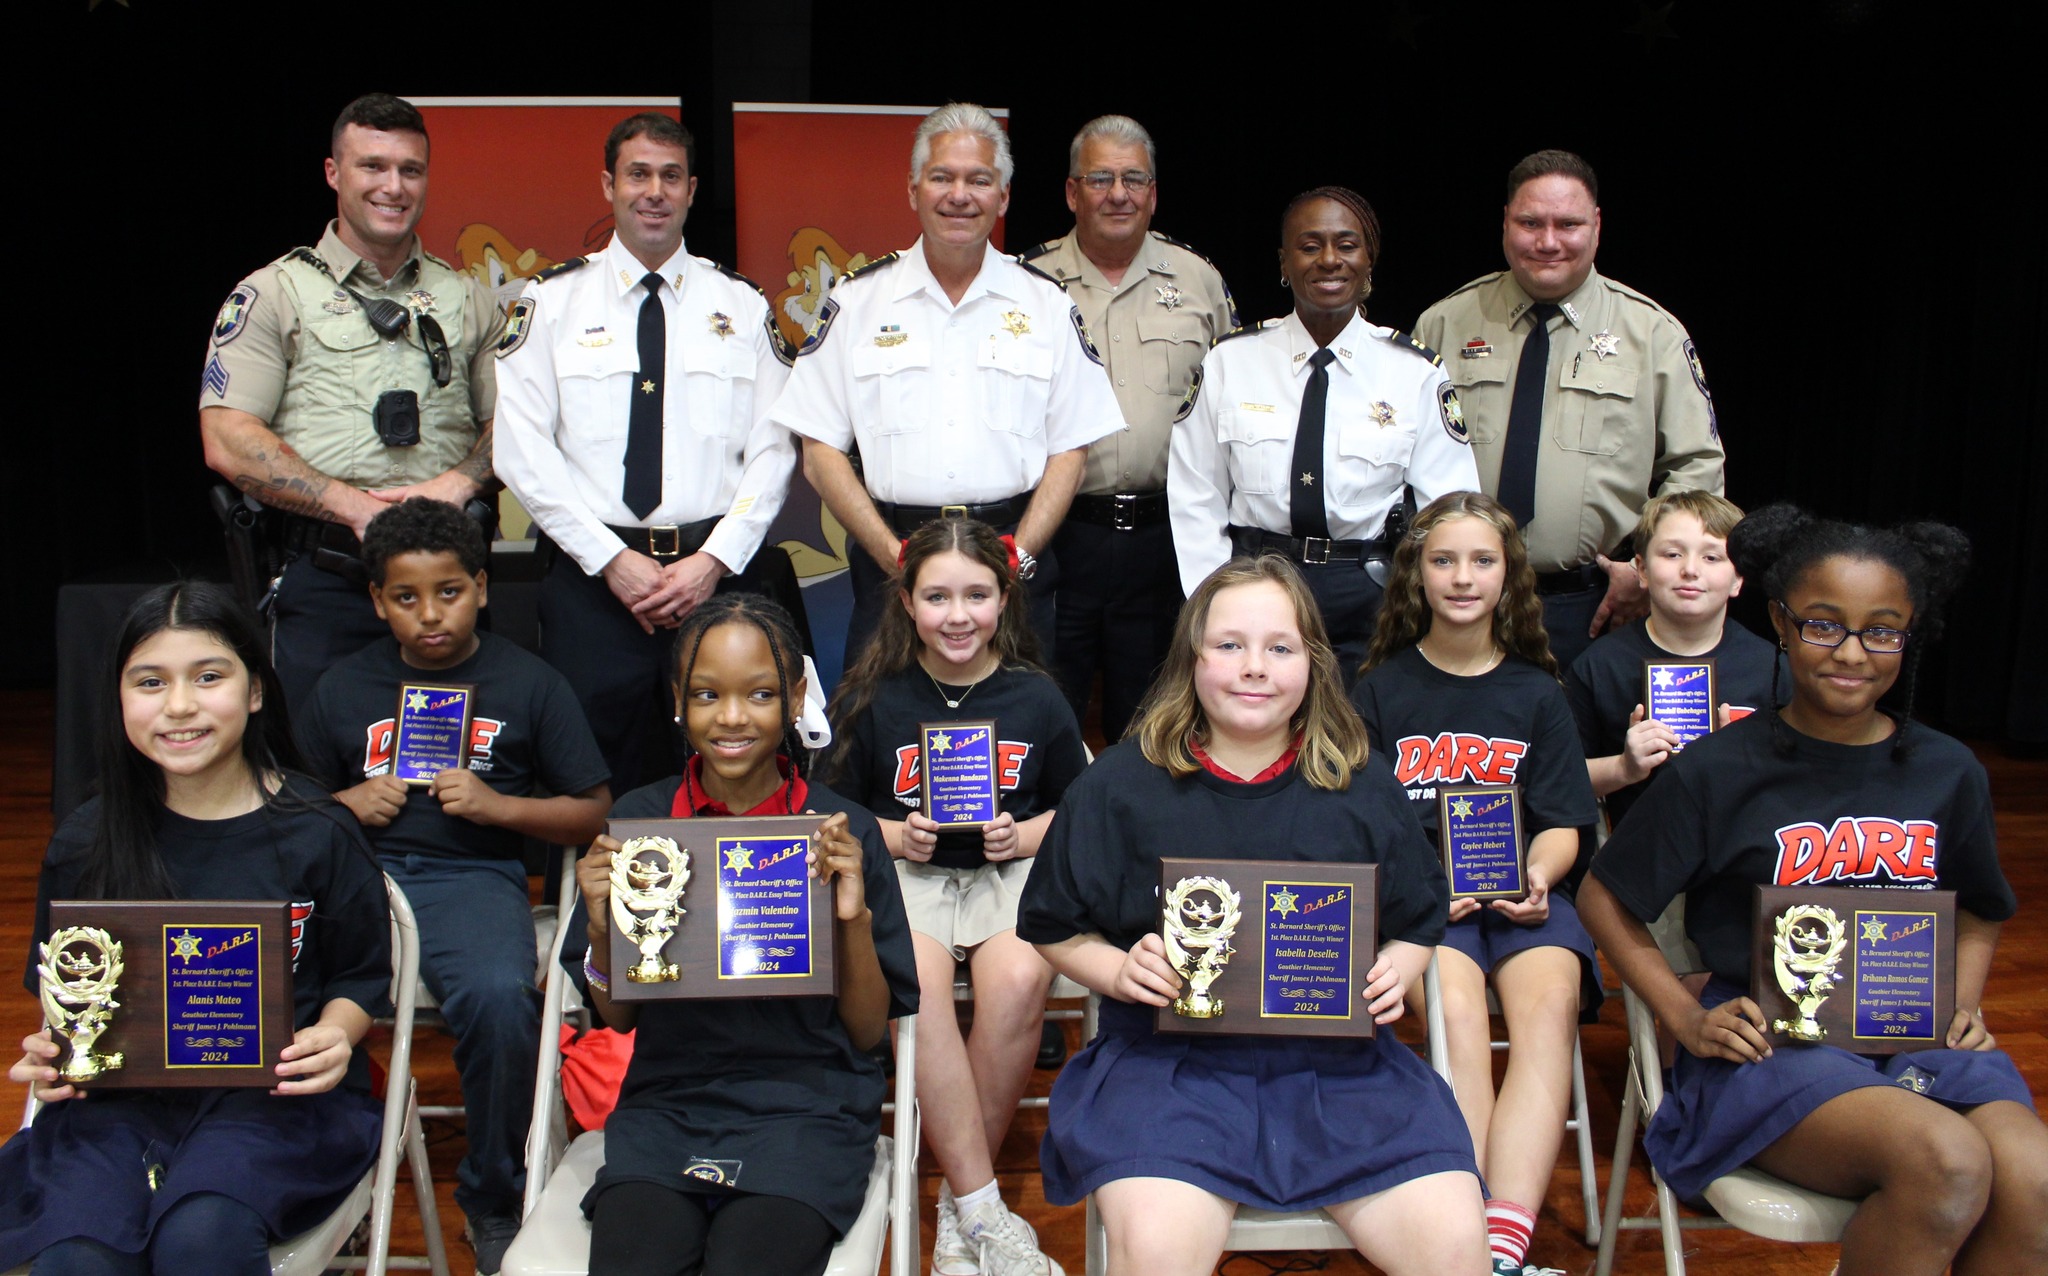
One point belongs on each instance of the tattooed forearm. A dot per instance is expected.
(476, 467)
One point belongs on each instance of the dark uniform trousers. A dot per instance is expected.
(1119, 595)
(1349, 599)
(624, 678)
(317, 619)
(1566, 617)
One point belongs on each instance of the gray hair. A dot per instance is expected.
(962, 117)
(1120, 129)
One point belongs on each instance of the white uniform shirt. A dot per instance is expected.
(1391, 420)
(566, 381)
(949, 404)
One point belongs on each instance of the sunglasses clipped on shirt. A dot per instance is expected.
(390, 319)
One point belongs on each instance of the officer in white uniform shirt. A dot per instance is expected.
(634, 388)
(965, 380)
(1259, 467)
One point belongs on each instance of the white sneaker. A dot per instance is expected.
(1005, 1243)
(951, 1256)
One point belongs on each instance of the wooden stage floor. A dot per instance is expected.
(2016, 1007)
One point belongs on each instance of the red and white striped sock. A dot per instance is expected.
(1508, 1228)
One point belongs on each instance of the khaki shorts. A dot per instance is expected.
(961, 907)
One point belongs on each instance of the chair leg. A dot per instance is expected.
(1582, 1126)
(1617, 1185)
(1668, 1223)
(423, 1193)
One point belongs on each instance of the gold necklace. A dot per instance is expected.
(955, 704)
(1491, 660)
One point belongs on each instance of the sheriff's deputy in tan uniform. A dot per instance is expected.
(1584, 398)
(347, 376)
(1152, 306)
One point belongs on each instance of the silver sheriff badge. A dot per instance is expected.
(1169, 296)
(1605, 344)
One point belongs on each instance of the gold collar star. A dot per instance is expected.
(647, 386)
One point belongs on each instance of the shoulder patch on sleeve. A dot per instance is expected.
(216, 377)
(868, 267)
(779, 343)
(1699, 378)
(517, 325)
(1187, 401)
(819, 326)
(234, 315)
(1400, 339)
(1080, 330)
(559, 268)
(1453, 413)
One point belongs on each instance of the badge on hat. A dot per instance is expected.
(517, 325)
(234, 314)
(1453, 413)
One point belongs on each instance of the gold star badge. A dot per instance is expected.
(647, 386)
(739, 858)
(1461, 808)
(1283, 902)
(1873, 930)
(1016, 323)
(1307, 479)
(416, 699)
(185, 946)
(1383, 412)
(721, 325)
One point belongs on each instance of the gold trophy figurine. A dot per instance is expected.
(1806, 960)
(647, 902)
(1198, 932)
(80, 969)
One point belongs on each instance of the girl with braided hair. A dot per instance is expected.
(746, 1128)
(1942, 1144)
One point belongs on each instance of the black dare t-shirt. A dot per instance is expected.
(1038, 748)
(1098, 871)
(1605, 684)
(526, 733)
(1734, 814)
(1509, 725)
(303, 847)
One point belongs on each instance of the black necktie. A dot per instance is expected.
(1525, 419)
(643, 423)
(1305, 495)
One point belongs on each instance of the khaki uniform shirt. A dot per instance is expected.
(1152, 330)
(1626, 412)
(293, 349)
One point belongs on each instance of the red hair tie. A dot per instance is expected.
(1010, 543)
(902, 552)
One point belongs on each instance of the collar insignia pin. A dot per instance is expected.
(1570, 311)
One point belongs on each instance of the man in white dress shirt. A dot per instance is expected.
(965, 380)
(635, 384)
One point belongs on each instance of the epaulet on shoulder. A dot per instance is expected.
(1260, 326)
(1186, 248)
(868, 267)
(737, 277)
(1480, 282)
(438, 261)
(564, 267)
(1042, 273)
(1616, 286)
(1401, 340)
(1037, 250)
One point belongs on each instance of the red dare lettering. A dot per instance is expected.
(1457, 758)
(1856, 848)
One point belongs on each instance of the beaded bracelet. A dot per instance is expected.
(596, 978)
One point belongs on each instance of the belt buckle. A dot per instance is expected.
(1124, 517)
(1315, 550)
(952, 511)
(674, 536)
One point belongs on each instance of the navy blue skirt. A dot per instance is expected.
(1717, 1115)
(1275, 1122)
(83, 1168)
(1490, 939)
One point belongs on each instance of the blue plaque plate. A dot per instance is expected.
(764, 908)
(432, 733)
(1896, 965)
(1305, 951)
(1680, 694)
(958, 763)
(1480, 835)
(213, 996)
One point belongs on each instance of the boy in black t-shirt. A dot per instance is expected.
(454, 843)
(1682, 556)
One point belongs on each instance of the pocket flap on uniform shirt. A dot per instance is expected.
(1171, 325)
(350, 332)
(1609, 380)
(615, 358)
(870, 360)
(1378, 444)
(1464, 372)
(1018, 358)
(708, 354)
